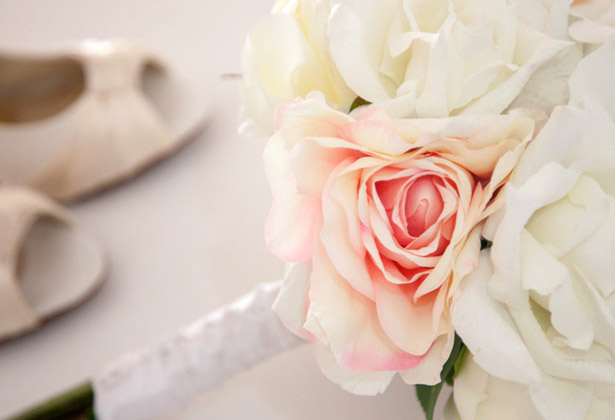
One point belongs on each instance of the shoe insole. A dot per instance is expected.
(34, 89)
(59, 267)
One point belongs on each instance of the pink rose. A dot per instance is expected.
(382, 214)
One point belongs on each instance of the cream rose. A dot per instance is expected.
(380, 217)
(544, 315)
(595, 21)
(287, 56)
(480, 396)
(434, 58)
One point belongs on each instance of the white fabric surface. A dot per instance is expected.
(164, 379)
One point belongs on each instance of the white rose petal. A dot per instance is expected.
(549, 16)
(480, 321)
(547, 294)
(594, 79)
(439, 58)
(480, 396)
(287, 56)
(596, 21)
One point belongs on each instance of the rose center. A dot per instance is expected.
(423, 206)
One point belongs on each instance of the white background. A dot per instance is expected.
(185, 237)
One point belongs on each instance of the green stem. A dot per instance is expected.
(71, 403)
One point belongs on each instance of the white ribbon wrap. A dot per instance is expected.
(163, 379)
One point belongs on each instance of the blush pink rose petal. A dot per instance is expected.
(382, 218)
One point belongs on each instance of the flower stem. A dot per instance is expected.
(72, 403)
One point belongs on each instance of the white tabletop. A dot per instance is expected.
(185, 237)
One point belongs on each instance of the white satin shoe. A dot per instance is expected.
(90, 115)
(48, 264)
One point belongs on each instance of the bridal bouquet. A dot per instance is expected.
(443, 179)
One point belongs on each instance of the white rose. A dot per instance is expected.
(548, 86)
(595, 21)
(543, 315)
(434, 58)
(287, 56)
(480, 396)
